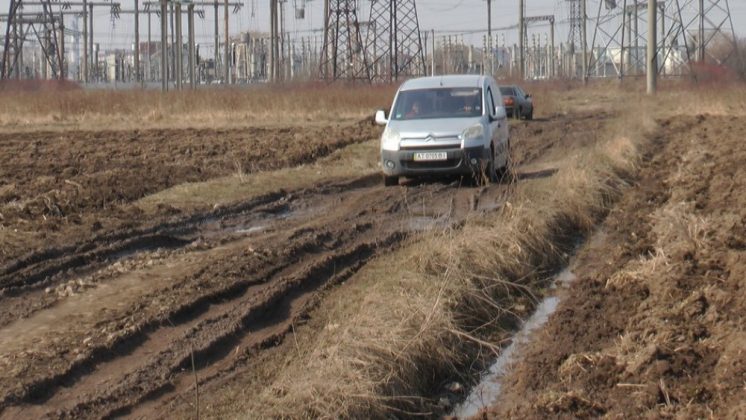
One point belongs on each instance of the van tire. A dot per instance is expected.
(390, 181)
(505, 174)
(491, 169)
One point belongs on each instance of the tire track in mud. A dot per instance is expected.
(340, 231)
(55, 185)
(229, 283)
(251, 325)
(26, 284)
(38, 269)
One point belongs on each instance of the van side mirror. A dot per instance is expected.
(381, 117)
(500, 113)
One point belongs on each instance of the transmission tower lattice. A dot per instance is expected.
(690, 31)
(393, 42)
(574, 36)
(343, 56)
(44, 25)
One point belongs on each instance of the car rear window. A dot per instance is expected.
(507, 91)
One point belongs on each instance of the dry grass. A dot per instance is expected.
(412, 319)
(261, 105)
(344, 164)
(273, 105)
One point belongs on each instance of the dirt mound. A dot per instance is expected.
(653, 326)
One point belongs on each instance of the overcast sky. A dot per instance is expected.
(461, 17)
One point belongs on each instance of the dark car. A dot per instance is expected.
(518, 103)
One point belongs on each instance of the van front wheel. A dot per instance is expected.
(390, 181)
(491, 169)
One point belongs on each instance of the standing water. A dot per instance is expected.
(486, 392)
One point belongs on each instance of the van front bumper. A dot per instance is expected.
(467, 161)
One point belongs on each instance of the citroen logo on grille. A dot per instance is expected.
(429, 139)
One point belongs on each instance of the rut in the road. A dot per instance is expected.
(23, 283)
(222, 285)
(232, 292)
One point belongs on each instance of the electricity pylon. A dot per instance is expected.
(343, 55)
(393, 43)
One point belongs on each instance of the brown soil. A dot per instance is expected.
(653, 326)
(61, 186)
(120, 321)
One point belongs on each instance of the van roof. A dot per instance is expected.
(448, 81)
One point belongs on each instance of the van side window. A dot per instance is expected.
(490, 103)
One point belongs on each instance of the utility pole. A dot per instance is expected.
(137, 41)
(273, 39)
(552, 54)
(636, 68)
(394, 39)
(90, 41)
(664, 51)
(61, 52)
(281, 40)
(489, 34)
(18, 46)
(585, 39)
(142, 73)
(85, 41)
(44, 63)
(652, 45)
(432, 71)
(701, 40)
(624, 27)
(217, 39)
(227, 64)
(190, 11)
(522, 31)
(630, 55)
(178, 43)
(164, 45)
(149, 73)
(326, 36)
(172, 53)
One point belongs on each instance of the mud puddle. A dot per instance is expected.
(425, 223)
(487, 391)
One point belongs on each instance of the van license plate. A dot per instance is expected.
(430, 156)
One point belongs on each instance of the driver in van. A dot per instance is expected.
(415, 110)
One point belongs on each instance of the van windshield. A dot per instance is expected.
(438, 103)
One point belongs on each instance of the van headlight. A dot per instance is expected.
(475, 132)
(390, 139)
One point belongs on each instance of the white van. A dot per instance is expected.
(446, 125)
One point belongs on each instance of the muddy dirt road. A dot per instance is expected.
(119, 323)
(653, 325)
